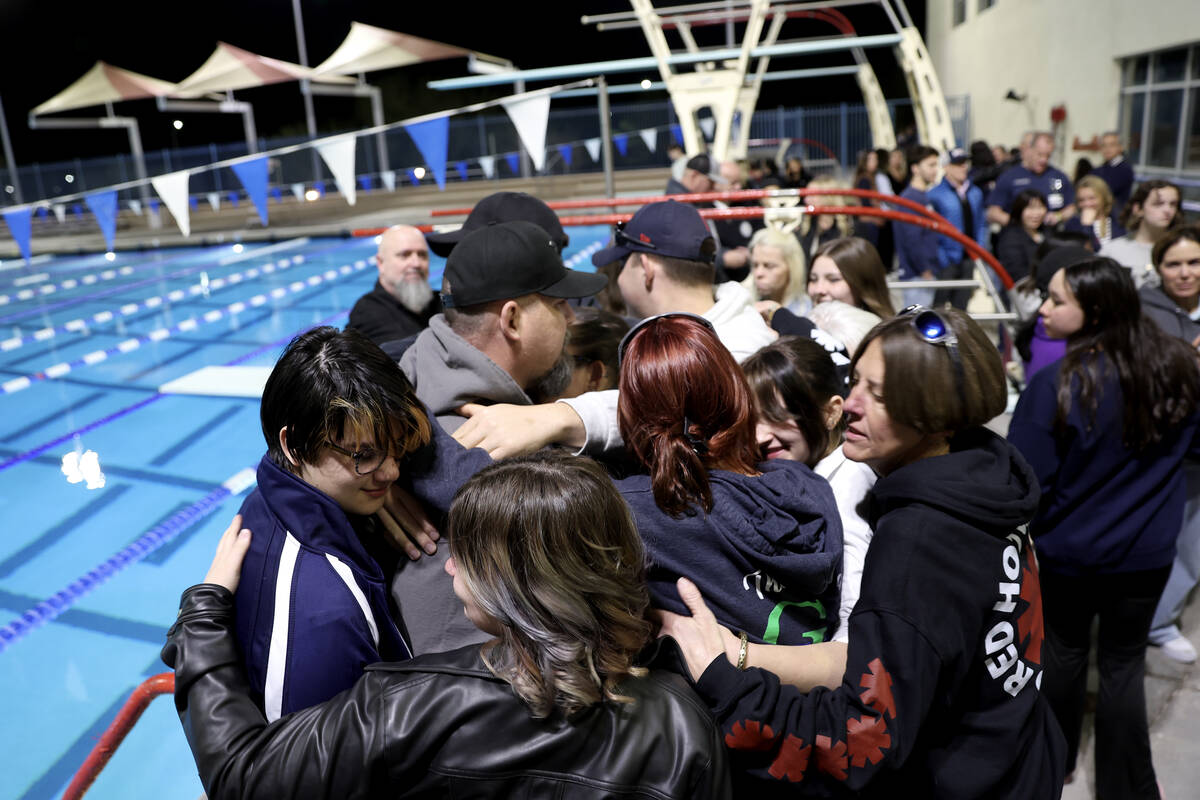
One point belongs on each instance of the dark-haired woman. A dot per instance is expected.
(940, 695)
(1152, 210)
(1018, 241)
(1105, 432)
(546, 560)
(592, 341)
(762, 536)
(339, 418)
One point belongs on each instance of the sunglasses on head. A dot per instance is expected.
(624, 238)
(627, 338)
(932, 328)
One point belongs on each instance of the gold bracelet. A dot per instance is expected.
(743, 649)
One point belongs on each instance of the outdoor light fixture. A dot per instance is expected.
(312, 195)
(177, 124)
(645, 83)
(69, 178)
(418, 172)
(1016, 98)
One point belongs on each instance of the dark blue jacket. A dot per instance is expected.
(767, 558)
(1104, 508)
(916, 247)
(1119, 176)
(312, 603)
(945, 201)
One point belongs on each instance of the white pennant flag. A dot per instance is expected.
(338, 155)
(173, 189)
(60, 212)
(488, 165)
(136, 207)
(389, 180)
(530, 116)
(298, 191)
(708, 125)
(214, 200)
(650, 137)
(593, 148)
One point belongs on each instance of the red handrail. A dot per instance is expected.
(152, 687)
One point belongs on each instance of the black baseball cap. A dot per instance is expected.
(502, 207)
(702, 163)
(668, 228)
(510, 259)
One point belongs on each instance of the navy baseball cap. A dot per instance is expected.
(957, 155)
(669, 228)
(511, 259)
(502, 207)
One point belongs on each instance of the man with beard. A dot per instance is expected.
(501, 339)
(402, 301)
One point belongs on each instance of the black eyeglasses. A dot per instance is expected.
(932, 328)
(622, 237)
(627, 338)
(365, 461)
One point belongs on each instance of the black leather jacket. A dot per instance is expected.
(439, 725)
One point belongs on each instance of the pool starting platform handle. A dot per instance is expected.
(127, 717)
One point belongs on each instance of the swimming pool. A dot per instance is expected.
(113, 494)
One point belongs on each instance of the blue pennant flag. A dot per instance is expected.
(104, 206)
(232, 197)
(193, 202)
(77, 210)
(365, 183)
(621, 140)
(253, 175)
(677, 132)
(412, 178)
(320, 187)
(514, 163)
(43, 212)
(18, 220)
(461, 166)
(276, 194)
(432, 138)
(565, 151)
(153, 205)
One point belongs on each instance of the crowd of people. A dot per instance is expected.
(717, 518)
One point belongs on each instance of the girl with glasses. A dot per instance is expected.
(940, 693)
(339, 418)
(1106, 430)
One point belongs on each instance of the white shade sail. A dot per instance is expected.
(104, 83)
(230, 68)
(367, 48)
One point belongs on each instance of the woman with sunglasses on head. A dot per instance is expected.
(339, 419)
(940, 694)
(762, 536)
(1106, 430)
(563, 698)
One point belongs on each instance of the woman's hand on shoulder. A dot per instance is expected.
(226, 568)
(700, 636)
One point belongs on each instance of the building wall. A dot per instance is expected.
(1055, 52)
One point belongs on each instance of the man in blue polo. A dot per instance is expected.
(1034, 172)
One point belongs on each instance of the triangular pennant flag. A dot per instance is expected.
(488, 165)
(530, 116)
(193, 202)
(153, 205)
(514, 162)
(173, 189)
(214, 200)
(412, 178)
(388, 179)
(18, 220)
(736, 129)
(621, 140)
(136, 207)
(77, 210)
(461, 167)
(593, 148)
(338, 155)
(42, 212)
(60, 212)
(319, 187)
(232, 197)
(708, 125)
(650, 137)
(366, 183)
(276, 194)
(103, 206)
(564, 150)
(253, 175)
(677, 132)
(432, 138)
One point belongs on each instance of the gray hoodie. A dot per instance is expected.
(1167, 315)
(446, 370)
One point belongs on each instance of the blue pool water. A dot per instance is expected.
(90, 577)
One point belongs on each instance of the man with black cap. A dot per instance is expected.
(502, 207)
(960, 202)
(667, 254)
(501, 337)
(704, 175)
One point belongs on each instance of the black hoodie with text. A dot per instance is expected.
(940, 696)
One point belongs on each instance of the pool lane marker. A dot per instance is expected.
(147, 543)
(70, 283)
(190, 324)
(204, 287)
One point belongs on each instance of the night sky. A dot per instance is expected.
(50, 43)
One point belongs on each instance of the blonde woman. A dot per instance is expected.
(818, 230)
(777, 271)
(1094, 200)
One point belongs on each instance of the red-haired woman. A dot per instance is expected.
(763, 539)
